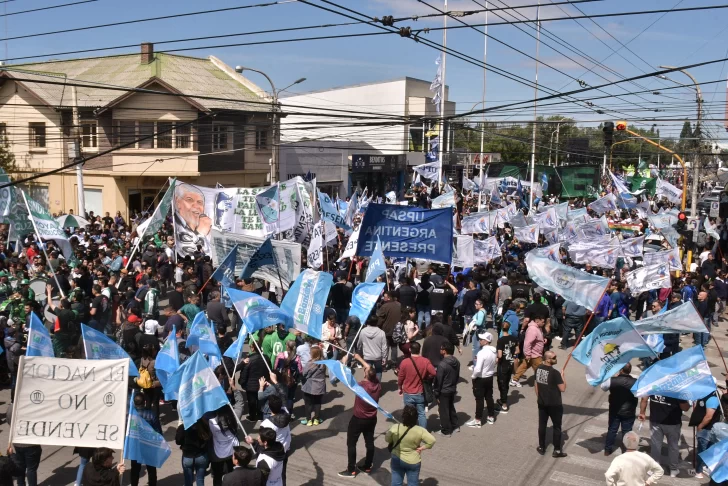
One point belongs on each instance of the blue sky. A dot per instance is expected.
(675, 39)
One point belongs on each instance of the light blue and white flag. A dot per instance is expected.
(351, 209)
(651, 277)
(575, 213)
(495, 196)
(225, 274)
(263, 256)
(202, 337)
(377, 266)
(391, 197)
(258, 313)
(633, 247)
(683, 318)
(716, 458)
(143, 444)
(551, 252)
(306, 300)
(573, 285)
(608, 348)
(343, 374)
(527, 234)
(562, 210)
(235, 349)
(547, 219)
(364, 298)
(167, 361)
(469, 184)
(429, 170)
(97, 346)
(685, 376)
(199, 391)
(551, 236)
(444, 201)
(39, 339)
(669, 257)
(329, 212)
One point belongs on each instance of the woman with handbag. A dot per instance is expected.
(406, 441)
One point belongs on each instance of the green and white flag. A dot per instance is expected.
(20, 223)
(7, 197)
(152, 225)
(46, 227)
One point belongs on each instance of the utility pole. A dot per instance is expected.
(77, 155)
(482, 124)
(556, 161)
(535, 105)
(442, 99)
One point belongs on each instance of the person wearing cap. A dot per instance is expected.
(482, 378)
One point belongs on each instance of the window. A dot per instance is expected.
(88, 135)
(261, 139)
(164, 135)
(37, 135)
(416, 141)
(183, 135)
(125, 132)
(222, 136)
(146, 129)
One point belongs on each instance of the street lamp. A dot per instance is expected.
(275, 108)
(696, 168)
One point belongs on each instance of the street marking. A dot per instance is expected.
(573, 479)
(587, 462)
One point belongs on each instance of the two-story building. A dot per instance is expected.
(143, 118)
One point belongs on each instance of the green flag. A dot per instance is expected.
(647, 183)
(46, 227)
(153, 224)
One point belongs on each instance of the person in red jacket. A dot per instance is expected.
(413, 373)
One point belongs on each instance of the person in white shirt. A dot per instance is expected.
(482, 378)
(633, 468)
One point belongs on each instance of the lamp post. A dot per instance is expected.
(696, 162)
(275, 108)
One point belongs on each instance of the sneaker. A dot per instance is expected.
(516, 384)
(348, 474)
(304, 421)
(364, 469)
(674, 473)
(491, 420)
(440, 432)
(699, 476)
(504, 408)
(558, 454)
(293, 417)
(309, 423)
(475, 423)
(541, 450)
(470, 367)
(558, 338)
(316, 422)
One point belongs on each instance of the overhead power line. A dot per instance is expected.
(41, 9)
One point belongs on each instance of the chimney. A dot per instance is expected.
(147, 52)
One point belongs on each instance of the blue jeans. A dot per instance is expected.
(703, 444)
(194, 469)
(400, 469)
(703, 338)
(423, 316)
(615, 422)
(476, 343)
(28, 460)
(417, 401)
(81, 466)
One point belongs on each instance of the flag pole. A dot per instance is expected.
(578, 340)
(720, 352)
(237, 419)
(255, 341)
(240, 350)
(40, 243)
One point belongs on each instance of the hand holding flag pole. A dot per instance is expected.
(578, 340)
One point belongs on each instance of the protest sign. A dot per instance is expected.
(463, 252)
(47, 227)
(407, 232)
(70, 402)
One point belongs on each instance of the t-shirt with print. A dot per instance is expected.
(507, 345)
(665, 410)
(548, 380)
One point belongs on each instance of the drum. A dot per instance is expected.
(50, 316)
(38, 285)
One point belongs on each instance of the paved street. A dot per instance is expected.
(503, 453)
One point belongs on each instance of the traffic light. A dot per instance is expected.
(608, 134)
(621, 126)
(681, 224)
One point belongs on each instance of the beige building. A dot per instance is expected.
(191, 118)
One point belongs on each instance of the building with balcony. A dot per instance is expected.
(191, 118)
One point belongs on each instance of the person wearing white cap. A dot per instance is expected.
(482, 377)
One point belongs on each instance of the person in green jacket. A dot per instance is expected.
(275, 342)
(408, 441)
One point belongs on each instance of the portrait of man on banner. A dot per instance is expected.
(191, 223)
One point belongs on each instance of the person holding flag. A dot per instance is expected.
(144, 429)
(706, 413)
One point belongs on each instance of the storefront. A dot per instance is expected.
(377, 172)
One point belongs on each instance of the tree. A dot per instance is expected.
(7, 158)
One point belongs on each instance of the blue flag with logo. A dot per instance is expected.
(39, 339)
(198, 392)
(377, 266)
(235, 349)
(143, 444)
(364, 298)
(685, 376)
(343, 374)
(264, 255)
(407, 232)
(267, 203)
(203, 337)
(167, 361)
(225, 274)
(97, 346)
(329, 212)
(716, 458)
(608, 348)
(258, 313)
(306, 300)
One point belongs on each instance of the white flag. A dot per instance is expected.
(651, 277)
(350, 249)
(604, 204)
(428, 171)
(547, 219)
(485, 250)
(315, 255)
(668, 257)
(462, 255)
(632, 247)
(672, 193)
(527, 234)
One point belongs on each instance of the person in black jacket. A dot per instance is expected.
(445, 388)
(622, 405)
(241, 474)
(216, 310)
(672, 340)
(255, 368)
(193, 442)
